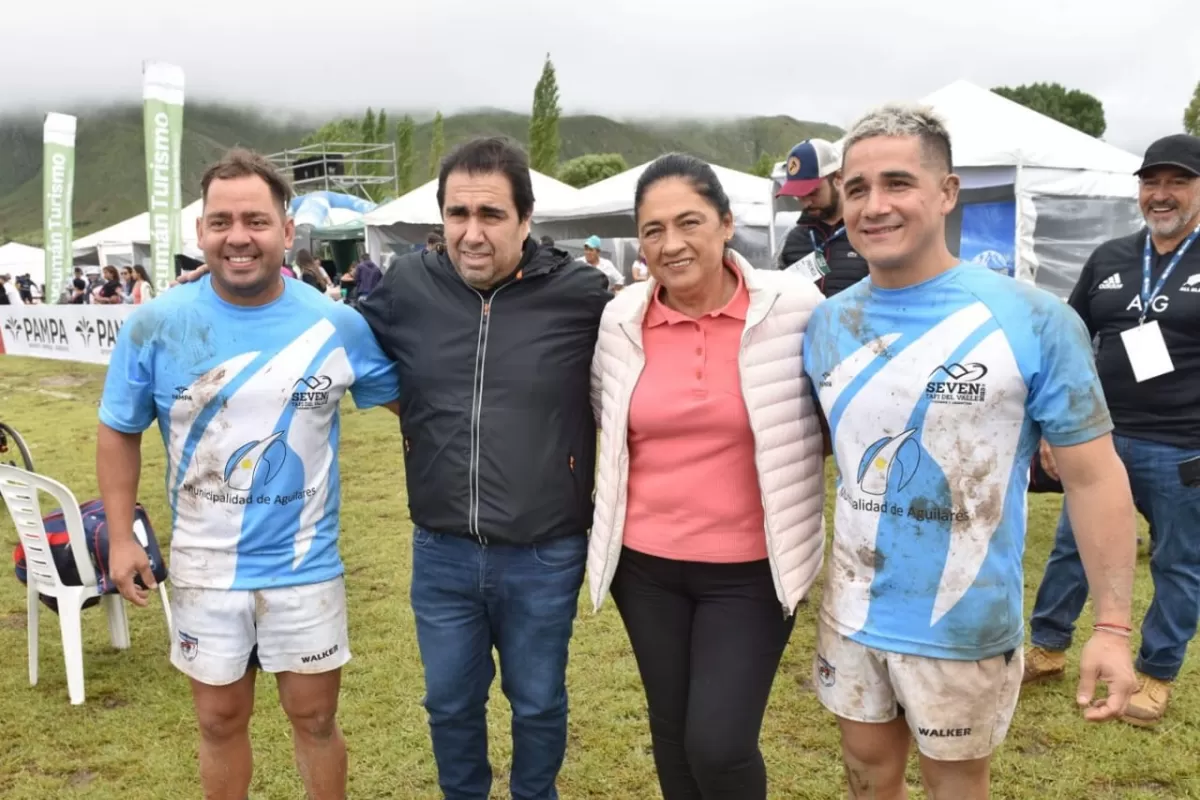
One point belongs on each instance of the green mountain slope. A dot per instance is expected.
(110, 182)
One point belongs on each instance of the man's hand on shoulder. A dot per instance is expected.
(191, 275)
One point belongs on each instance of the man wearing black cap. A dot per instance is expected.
(1140, 298)
(818, 246)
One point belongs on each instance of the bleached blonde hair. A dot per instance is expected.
(903, 120)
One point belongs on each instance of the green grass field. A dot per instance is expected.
(135, 739)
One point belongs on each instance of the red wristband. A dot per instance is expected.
(1113, 625)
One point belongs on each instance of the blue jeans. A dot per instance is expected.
(1173, 511)
(521, 600)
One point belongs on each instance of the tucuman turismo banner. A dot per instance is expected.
(58, 189)
(162, 99)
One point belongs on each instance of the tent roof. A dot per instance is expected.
(21, 259)
(614, 196)
(137, 229)
(988, 130)
(420, 206)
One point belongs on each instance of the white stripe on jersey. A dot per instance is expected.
(975, 447)
(184, 411)
(845, 372)
(868, 417)
(312, 438)
(205, 544)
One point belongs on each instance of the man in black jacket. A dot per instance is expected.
(493, 335)
(818, 246)
(1140, 298)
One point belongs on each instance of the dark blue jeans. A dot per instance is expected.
(469, 598)
(1173, 511)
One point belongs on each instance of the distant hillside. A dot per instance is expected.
(110, 182)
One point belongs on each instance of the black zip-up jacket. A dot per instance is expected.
(846, 266)
(495, 410)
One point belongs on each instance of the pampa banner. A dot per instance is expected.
(162, 103)
(58, 191)
(68, 333)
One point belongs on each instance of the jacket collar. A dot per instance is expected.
(632, 314)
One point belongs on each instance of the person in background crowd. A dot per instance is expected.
(24, 284)
(8, 293)
(710, 492)
(591, 255)
(818, 246)
(366, 277)
(95, 280)
(127, 281)
(78, 292)
(109, 292)
(311, 272)
(1139, 297)
(225, 363)
(547, 241)
(936, 379)
(640, 269)
(143, 287)
(493, 338)
(433, 241)
(67, 295)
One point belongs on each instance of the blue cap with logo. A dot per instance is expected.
(809, 163)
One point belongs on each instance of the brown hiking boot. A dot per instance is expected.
(1149, 703)
(1041, 665)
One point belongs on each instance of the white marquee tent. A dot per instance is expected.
(605, 208)
(1071, 190)
(128, 242)
(21, 259)
(408, 219)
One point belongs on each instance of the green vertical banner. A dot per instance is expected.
(58, 191)
(162, 103)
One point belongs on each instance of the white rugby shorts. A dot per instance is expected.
(956, 710)
(219, 634)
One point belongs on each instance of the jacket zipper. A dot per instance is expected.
(485, 316)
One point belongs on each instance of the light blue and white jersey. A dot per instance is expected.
(936, 396)
(246, 400)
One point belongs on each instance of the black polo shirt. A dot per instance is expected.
(1108, 296)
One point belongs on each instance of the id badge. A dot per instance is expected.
(1147, 351)
(812, 266)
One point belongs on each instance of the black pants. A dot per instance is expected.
(708, 639)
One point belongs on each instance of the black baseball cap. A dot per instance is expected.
(1179, 150)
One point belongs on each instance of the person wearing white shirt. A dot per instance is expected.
(591, 255)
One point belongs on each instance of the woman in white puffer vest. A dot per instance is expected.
(710, 485)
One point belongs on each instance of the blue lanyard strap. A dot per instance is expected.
(1148, 296)
(816, 247)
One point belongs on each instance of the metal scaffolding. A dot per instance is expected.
(349, 168)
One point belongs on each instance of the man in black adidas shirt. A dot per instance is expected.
(819, 242)
(1140, 298)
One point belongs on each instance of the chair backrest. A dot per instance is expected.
(20, 492)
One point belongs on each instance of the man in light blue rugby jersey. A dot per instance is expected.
(243, 371)
(937, 379)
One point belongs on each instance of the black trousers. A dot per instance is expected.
(708, 639)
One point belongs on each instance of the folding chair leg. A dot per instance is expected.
(69, 613)
(118, 622)
(166, 601)
(31, 625)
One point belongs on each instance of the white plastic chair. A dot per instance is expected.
(20, 491)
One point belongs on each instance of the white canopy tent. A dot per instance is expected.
(1069, 191)
(21, 259)
(128, 242)
(605, 209)
(408, 219)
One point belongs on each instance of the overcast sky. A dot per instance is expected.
(629, 58)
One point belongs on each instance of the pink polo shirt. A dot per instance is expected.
(693, 487)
